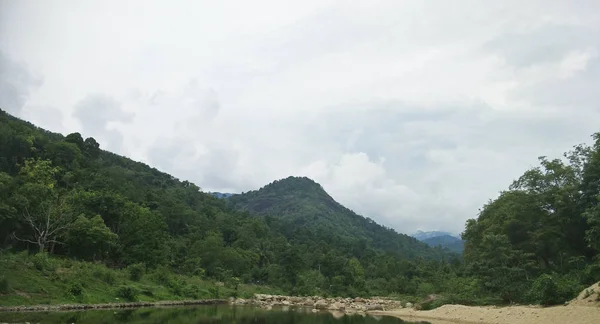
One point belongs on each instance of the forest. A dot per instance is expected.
(65, 203)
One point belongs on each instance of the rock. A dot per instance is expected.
(408, 305)
(374, 307)
(337, 306)
(321, 304)
(314, 310)
(286, 303)
(240, 301)
(308, 302)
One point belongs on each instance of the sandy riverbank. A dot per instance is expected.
(501, 315)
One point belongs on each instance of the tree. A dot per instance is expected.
(90, 239)
(41, 207)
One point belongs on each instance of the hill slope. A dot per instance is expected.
(302, 206)
(107, 208)
(421, 235)
(440, 238)
(450, 242)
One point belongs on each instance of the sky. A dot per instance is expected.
(413, 113)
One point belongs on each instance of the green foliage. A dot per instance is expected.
(191, 291)
(76, 289)
(70, 200)
(105, 275)
(42, 262)
(128, 293)
(215, 292)
(90, 238)
(136, 271)
(4, 285)
(545, 291)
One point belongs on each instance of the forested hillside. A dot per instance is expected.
(450, 242)
(541, 238)
(302, 209)
(65, 196)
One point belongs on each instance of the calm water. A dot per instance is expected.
(197, 314)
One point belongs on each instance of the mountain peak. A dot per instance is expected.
(302, 208)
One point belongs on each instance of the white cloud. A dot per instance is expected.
(413, 113)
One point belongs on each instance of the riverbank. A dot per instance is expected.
(30, 280)
(317, 303)
(571, 314)
(66, 307)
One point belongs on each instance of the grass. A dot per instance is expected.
(40, 279)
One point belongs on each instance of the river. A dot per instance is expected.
(197, 314)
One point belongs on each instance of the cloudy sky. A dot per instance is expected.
(413, 113)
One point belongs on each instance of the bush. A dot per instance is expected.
(41, 262)
(434, 303)
(105, 275)
(544, 291)
(136, 271)
(425, 288)
(4, 285)
(127, 292)
(162, 275)
(76, 289)
(214, 292)
(191, 291)
(147, 291)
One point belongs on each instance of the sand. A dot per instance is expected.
(588, 297)
(585, 309)
(570, 314)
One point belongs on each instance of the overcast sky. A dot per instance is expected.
(413, 113)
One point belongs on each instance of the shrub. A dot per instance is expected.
(147, 291)
(191, 291)
(162, 275)
(127, 292)
(105, 275)
(425, 288)
(214, 292)
(544, 291)
(42, 262)
(232, 282)
(136, 271)
(76, 289)
(4, 285)
(176, 285)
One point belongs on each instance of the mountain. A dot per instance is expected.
(221, 195)
(66, 196)
(420, 235)
(440, 238)
(303, 208)
(450, 242)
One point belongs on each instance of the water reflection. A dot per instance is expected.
(199, 314)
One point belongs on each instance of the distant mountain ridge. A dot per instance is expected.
(421, 235)
(440, 238)
(221, 195)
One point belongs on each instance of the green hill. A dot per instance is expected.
(66, 197)
(302, 209)
(448, 241)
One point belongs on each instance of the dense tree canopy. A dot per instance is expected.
(545, 226)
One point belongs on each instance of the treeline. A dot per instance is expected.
(65, 196)
(539, 241)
